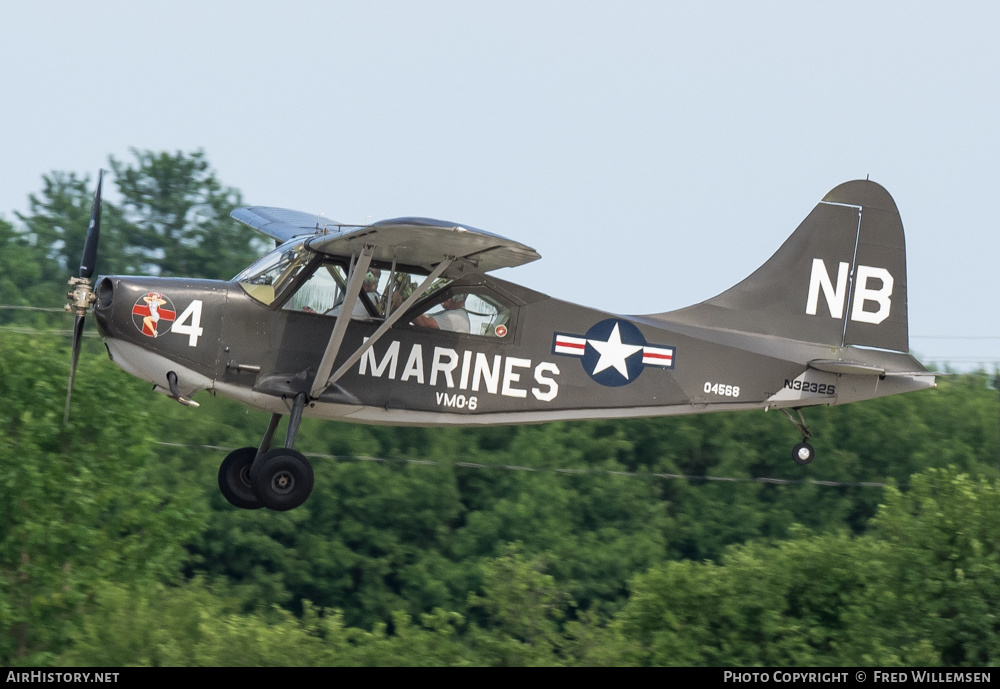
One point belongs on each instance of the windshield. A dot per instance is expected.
(266, 279)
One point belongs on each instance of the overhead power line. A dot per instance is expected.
(24, 330)
(955, 337)
(30, 308)
(591, 471)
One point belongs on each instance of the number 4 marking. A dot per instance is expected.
(194, 330)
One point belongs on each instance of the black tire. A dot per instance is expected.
(283, 479)
(803, 454)
(234, 479)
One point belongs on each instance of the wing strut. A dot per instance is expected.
(340, 328)
(382, 330)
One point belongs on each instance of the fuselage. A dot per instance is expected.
(554, 361)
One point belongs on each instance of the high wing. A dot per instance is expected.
(435, 245)
(423, 242)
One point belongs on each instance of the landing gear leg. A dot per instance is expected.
(282, 478)
(272, 426)
(279, 479)
(803, 453)
(293, 423)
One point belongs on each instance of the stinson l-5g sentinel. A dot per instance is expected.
(400, 322)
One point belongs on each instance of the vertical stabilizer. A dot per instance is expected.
(839, 279)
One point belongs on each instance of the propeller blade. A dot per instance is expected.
(77, 337)
(89, 258)
(82, 295)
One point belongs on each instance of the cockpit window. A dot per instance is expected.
(266, 279)
(385, 287)
(476, 313)
(395, 288)
(324, 290)
(321, 291)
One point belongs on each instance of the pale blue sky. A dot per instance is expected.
(655, 153)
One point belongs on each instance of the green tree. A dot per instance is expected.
(78, 504)
(937, 595)
(179, 213)
(197, 624)
(921, 588)
(56, 227)
(524, 618)
(20, 267)
(524, 607)
(173, 221)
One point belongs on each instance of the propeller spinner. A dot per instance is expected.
(82, 296)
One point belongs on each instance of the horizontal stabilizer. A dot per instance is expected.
(846, 367)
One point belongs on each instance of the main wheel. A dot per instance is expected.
(803, 453)
(283, 479)
(234, 479)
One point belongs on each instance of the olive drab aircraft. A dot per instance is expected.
(400, 322)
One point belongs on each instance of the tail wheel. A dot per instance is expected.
(234, 479)
(283, 479)
(803, 454)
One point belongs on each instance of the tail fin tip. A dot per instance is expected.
(863, 193)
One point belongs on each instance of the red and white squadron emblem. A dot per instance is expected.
(153, 314)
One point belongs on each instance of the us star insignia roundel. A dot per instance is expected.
(613, 352)
(153, 314)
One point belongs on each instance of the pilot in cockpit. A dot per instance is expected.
(369, 287)
(453, 317)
